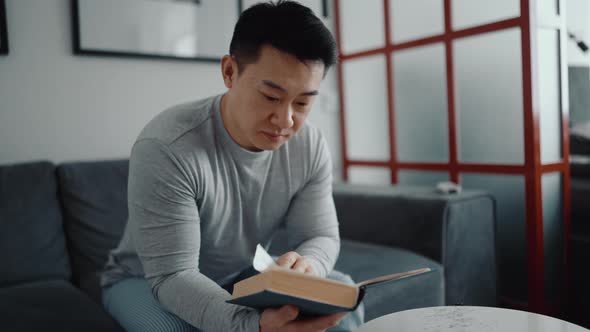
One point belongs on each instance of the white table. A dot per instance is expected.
(467, 319)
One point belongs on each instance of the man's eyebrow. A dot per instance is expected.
(276, 86)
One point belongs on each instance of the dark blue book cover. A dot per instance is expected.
(270, 299)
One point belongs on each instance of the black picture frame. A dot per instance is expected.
(3, 29)
(324, 6)
(80, 49)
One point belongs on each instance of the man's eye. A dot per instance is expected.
(302, 104)
(272, 99)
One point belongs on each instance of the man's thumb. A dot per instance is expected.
(288, 313)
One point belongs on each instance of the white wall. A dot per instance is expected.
(61, 107)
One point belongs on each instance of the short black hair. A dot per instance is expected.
(285, 25)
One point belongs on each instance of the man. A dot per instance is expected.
(210, 179)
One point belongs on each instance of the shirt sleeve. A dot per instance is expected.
(312, 224)
(165, 227)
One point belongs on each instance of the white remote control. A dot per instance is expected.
(448, 187)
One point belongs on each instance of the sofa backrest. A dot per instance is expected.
(32, 243)
(94, 198)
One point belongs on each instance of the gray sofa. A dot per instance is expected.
(580, 236)
(57, 224)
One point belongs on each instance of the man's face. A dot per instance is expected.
(268, 102)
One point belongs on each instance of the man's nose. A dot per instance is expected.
(283, 117)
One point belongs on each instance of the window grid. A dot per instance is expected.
(532, 169)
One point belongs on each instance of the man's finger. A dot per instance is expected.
(287, 313)
(330, 320)
(300, 265)
(287, 260)
(320, 323)
(281, 316)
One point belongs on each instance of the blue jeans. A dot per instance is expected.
(132, 304)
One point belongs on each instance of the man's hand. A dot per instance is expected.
(296, 262)
(283, 320)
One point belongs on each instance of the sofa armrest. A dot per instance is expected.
(456, 230)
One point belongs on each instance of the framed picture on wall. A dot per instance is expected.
(3, 29)
(319, 7)
(197, 30)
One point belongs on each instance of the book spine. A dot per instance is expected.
(361, 296)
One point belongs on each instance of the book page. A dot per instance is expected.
(262, 260)
(393, 276)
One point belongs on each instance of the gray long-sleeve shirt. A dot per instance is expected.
(199, 204)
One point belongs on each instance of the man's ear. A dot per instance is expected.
(229, 70)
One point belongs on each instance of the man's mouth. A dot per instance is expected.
(273, 136)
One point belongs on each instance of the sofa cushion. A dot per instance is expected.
(51, 306)
(94, 196)
(32, 242)
(580, 191)
(365, 261)
(580, 139)
(580, 166)
(435, 225)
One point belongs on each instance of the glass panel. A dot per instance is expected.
(365, 98)
(422, 178)
(420, 97)
(369, 175)
(509, 192)
(362, 25)
(549, 95)
(469, 13)
(488, 98)
(553, 235)
(579, 98)
(578, 16)
(415, 19)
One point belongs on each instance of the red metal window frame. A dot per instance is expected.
(532, 169)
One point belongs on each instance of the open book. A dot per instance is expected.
(275, 286)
